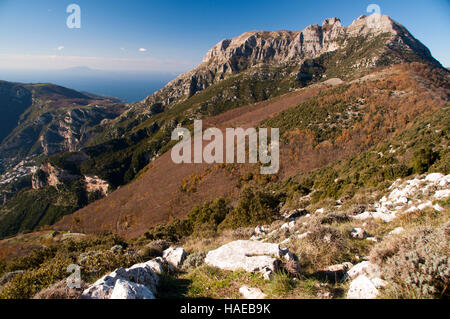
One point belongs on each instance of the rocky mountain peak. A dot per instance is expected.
(283, 48)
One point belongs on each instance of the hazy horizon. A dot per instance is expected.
(131, 86)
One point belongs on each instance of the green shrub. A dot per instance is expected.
(255, 207)
(417, 263)
(423, 159)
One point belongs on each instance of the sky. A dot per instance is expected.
(174, 35)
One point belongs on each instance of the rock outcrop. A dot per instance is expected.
(231, 56)
(247, 255)
(137, 282)
(175, 256)
(405, 197)
(366, 281)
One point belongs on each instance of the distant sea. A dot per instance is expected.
(131, 86)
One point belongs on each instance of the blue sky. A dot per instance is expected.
(176, 34)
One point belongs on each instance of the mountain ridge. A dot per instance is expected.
(124, 149)
(223, 58)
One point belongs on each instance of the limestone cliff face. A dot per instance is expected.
(231, 56)
(50, 175)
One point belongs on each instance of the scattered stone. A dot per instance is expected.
(175, 256)
(304, 235)
(324, 295)
(373, 239)
(288, 226)
(252, 293)
(267, 274)
(397, 231)
(404, 197)
(442, 194)
(358, 233)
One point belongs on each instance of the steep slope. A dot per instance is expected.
(40, 120)
(255, 67)
(14, 100)
(53, 119)
(317, 129)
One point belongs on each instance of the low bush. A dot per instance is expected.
(417, 263)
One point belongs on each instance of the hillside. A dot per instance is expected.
(266, 68)
(317, 129)
(359, 208)
(52, 119)
(41, 120)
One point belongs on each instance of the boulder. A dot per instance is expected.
(175, 256)
(124, 289)
(252, 293)
(362, 288)
(142, 274)
(250, 256)
(364, 268)
(358, 233)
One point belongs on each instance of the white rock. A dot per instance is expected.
(434, 178)
(158, 265)
(444, 181)
(442, 194)
(141, 274)
(250, 256)
(362, 288)
(364, 268)
(259, 230)
(304, 235)
(397, 231)
(127, 290)
(175, 256)
(358, 233)
(378, 282)
(289, 225)
(425, 205)
(373, 239)
(267, 274)
(252, 293)
(320, 211)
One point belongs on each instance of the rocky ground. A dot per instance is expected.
(396, 246)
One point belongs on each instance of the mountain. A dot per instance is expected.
(359, 208)
(44, 119)
(319, 85)
(367, 43)
(49, 119)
